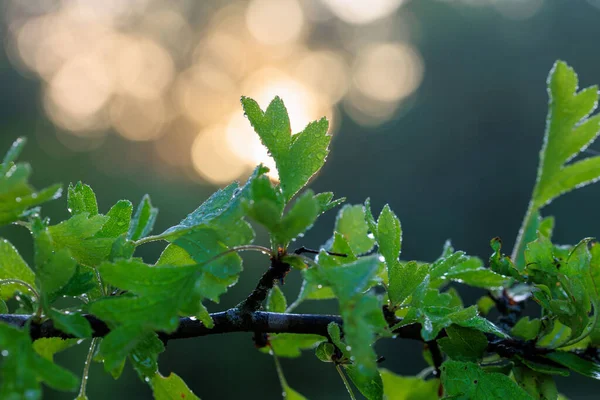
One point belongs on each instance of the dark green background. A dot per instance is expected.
(459, 163)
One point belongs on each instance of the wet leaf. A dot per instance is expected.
(466, 380)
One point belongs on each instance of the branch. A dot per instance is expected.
(236, 320)
(276, 272)
(232, 320)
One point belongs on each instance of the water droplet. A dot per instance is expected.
(18, 199)
(394, 336)
(193, 319)
(70, 209)
(348, 348)
(147, 379)
(80, 341)
(352, 358)
(319, 286)
(283, 394)
(271, 352)
(4, 353)
(381, 258)
(371, 236)
(34, 195)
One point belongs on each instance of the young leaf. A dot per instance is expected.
(82, 199)
(171, 388)
(466, 380)
(143, 220)
(569, 130)
(351, 224)
(389, 235)
(326, 201)
(297, 157)
(276, 301)
(404, 279)
(22, 369)
(17, 196)
(266, 207)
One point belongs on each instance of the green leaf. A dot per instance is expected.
(372, 389)
(404, 279)
(72, 323)
(158, 296)
(17, 196)
(12, 266)
(463, 344)
(564, 286)
(326, 201)
(82, 199)
(548, 368)
(207, 214)
(569, 130)
(527, 329)
(22, 369)
(171, 388)
(539, 386)
(435, 311)
(389, 235)
(12, 154)
(325, 351)
(290, 345)
(466, 380)
(48, 347)
(362, 313)
(144, 357)
(119, 218)
(143, 220)
(351, 224)
(78, 235)
(266, 207)
(297, 157)
(578, 364)
(298, 219)
(276, 301)
(55, 267)
(408, 388)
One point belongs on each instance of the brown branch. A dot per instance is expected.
(236, 320)
(276, 272)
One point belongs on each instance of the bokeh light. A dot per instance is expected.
(145, 68)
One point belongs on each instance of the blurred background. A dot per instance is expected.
(437, 107)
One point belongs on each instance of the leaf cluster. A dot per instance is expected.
(87, 266)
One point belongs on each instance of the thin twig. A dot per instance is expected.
(346, 383)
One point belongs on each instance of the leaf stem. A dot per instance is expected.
(521, 236)
(282, 380)
(86, 370)
(346, 383)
